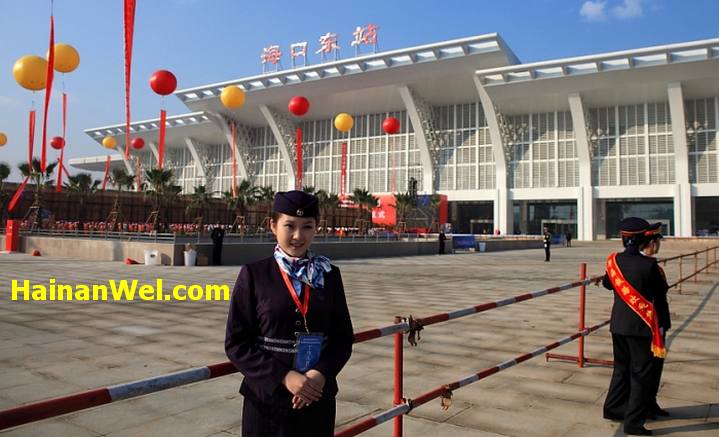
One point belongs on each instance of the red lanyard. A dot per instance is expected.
(304, 306)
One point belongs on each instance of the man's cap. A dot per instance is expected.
(296, 203)
(635, 226)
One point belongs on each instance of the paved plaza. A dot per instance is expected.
(50, 349)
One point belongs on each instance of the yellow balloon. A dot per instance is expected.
(109, 142)
(30, 71)
(66, 58)
(3, 139)
(232, 97)
(344, 122)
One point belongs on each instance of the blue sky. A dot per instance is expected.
(206, 41)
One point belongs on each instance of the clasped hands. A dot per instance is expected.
(306, 388)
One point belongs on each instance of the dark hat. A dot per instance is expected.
(635, 226)
(296, 203)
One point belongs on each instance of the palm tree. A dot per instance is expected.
(161, 189)
(4, 174)
(246, 196)
(83, 184)
(199, 201)
(40, 179)
(327, 201)
(403, 203)
(309, 189)
(434, 201)
(365, 200)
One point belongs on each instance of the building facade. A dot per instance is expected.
(572, 144)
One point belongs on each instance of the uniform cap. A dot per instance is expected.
(296, 203)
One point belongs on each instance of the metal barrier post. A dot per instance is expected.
(681, 263)
(706, 266)
(695, 266)
(582, 301)
(398, 376)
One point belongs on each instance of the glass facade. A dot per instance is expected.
(651, 211)
(706, 216)
(471, 217)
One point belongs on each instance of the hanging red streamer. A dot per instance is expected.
(107, 173)
(343, 170)
(58, 186)
(161, 145)
(48, 91)
(298, 147)
(31, 137)
(129, 31)
(138, 173)
(17, 194)
(234, 160)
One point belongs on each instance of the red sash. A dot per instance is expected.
(638, 303)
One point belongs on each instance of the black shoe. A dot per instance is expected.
(613, 417)
(638, 431)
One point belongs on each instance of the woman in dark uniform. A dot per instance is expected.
(289, 330)
(638, 315)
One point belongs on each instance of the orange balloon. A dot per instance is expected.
(3, 139)
(109, 142)
(29, 72)
(66, 58)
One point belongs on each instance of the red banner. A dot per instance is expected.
(138, 173)
(298, 148)
(129, 30)
(343, 171)
(48, 91)
(234, 160)
(17, 194)
(161, 145)
(58, 185)
(31, 137)
(107, 173)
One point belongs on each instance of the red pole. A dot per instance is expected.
(582, 308)
(398, 381)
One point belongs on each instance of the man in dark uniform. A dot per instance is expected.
(442, 239)
(547, 243)
(217, 235)
(638, 312)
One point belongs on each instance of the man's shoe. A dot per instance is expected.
(638, 431)
(613, 417)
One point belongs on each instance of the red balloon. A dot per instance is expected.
(390, 125)
(138, 143)
(163, 82)
(57, 143)
(299, 105)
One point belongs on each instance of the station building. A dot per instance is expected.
(574, 144)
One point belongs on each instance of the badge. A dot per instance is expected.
(309, 347)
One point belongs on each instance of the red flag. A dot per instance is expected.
(343, 170)
(234, 161)
(48, 91)
(17, 194)
(129, 30)
(58, 186)
(107, 173)
(31, 137)
(298, 147)
(161, 145)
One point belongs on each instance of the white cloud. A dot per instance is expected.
(593, 10)
(628, 9)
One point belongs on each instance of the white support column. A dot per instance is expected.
(196, 157)
(153, 147)
(585, 192)
(503, 205)
(421, 138)
(221, 122)
(683, 219)
(128, 166)
(285, 142)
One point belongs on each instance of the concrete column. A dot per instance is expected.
(503, 208)
(277, 127)
(153, 147)
(420, 136)
(196, 157)
(683, 219)
(222, 123)
(585, 198)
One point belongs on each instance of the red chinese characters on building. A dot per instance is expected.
(272, 55)
(365, 36)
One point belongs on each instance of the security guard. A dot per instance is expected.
(640, 310)
(289, 330)
(547, 244)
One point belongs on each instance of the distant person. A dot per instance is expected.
(568, 239)
(217, 236)
(547, 244)
(442, 239)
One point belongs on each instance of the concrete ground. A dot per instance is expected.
(50, 349)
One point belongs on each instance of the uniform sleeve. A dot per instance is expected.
(240, 338)
(660, 289)
(606, 282)
(340, 336)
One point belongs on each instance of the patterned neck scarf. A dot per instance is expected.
(310, 269)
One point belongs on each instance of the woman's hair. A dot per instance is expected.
(276, 216)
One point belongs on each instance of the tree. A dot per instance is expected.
(161, 189)
(327, 201)
(246, 196)
(365, 200)
(403, 203)
(40, 180)
(434, 201)
(4, 174)
(199, 201)
(309, 189)
(84, 185)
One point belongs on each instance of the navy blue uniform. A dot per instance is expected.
(261, 327)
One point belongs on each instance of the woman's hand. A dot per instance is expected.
(305, 390)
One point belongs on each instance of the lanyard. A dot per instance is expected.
(304, 306)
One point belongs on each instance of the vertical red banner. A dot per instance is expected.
(161, 145)
(234, 159)
(343, 171)
(31, 137)
(48, 91)
(61, 169)
(129, 31)
(107, 173)
(138, 173)
(298, 149)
